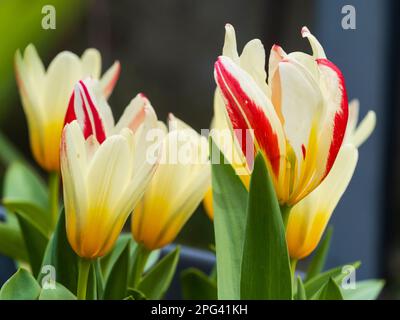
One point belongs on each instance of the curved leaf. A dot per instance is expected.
(58, 293)
(60, 255)
(230, 204)
(197, 286)
(265, 272)
(21, 286)
(157, 280)
(365, 290)
(117, 282)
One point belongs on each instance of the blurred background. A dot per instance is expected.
(167, 49)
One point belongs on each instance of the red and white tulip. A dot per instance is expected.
(298, 117)
(104, 167)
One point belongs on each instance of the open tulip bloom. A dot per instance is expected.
(286, 144)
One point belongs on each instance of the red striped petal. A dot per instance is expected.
(90, 121)
(244, 112)
(340, 117)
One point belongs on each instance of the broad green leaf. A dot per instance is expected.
(313, 285)
(21, 286)
(364, 290)
(31, 213)
(58, 293)
(330, 291)
(157, 280)
(11, 242)
(265, 272)
(8, 152)
(230, 210)
(60, 255)
(22, 185)
(318, 262)
(301, 292)
(117, 281)
(197, 286)
(35, 243)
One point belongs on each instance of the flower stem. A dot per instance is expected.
(293, 263)
(285, 211)
(84, 268)
(139, 263)
(54, 188)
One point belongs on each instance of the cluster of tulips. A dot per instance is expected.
(281, 151)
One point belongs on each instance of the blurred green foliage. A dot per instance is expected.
(21, 24)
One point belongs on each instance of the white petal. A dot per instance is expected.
(74, 171)
(318, 51)
(364, 129)
(64, 71)
(133, 114)
(252, 60)
(230, 48)
(109, 174)
(91, 63)
(354, 107)
(301, 103)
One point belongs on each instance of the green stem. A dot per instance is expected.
(84, 268)
(285, 211)
(141, 257)
(293, 263)
(54, 189)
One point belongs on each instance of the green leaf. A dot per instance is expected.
(365, 290)
(22, 185)
(8, 152)
(197, 286)
(31, 213)
(21, 286)
(157, 280)
(11, 242)
(301, 292)
(152, 259)
(318, 262)
(117, 281)
(35, 243)
(313, 285)
(60, 255)
(265, 272)
(58, 293)
(330, 291)
(109, 260)
(230, 210)
(134, 294)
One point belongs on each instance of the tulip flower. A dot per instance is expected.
(104, 171)
(178, 186)
(298, 118)
(308, 219)
(45, 95)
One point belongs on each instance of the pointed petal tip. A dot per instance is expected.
(228, 26)
(305, 32)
